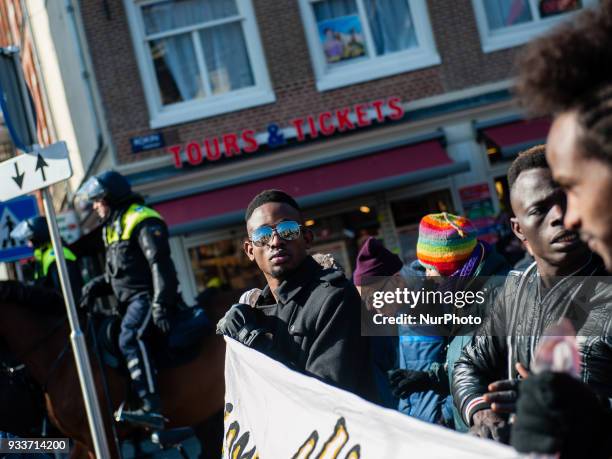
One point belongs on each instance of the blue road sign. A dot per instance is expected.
(11, 213)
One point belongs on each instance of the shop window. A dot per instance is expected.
(503, 194)
(494, 153)
(224, 263)
(353, 41)
(343, 234)
(507, 23)
(198, 58)
(407, 214)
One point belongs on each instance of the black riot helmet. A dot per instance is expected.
(109, 186)
(33, 229)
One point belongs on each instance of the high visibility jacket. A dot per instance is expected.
(45, 257)
(46, 274)
(138, 256)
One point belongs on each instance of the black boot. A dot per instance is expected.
(148, 415)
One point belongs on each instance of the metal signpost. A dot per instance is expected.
(34, 170)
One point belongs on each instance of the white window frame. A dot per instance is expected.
(516, 35)
(181, 112)
(425, 55)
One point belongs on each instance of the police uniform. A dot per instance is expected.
(35, 231)
(143, 279)
(46, 272)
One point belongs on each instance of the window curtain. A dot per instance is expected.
(178, 50)
(505, 13)
(330, 9)
(227, 59)
(172, 14)
(179, 56)
(391, 25)
(390, 21)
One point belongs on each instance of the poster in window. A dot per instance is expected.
(553, 7)
(342, 38)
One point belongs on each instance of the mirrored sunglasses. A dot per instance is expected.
(288, 230)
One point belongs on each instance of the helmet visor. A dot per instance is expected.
(22, 232)
(90, 191)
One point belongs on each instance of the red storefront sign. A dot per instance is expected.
(310, 127)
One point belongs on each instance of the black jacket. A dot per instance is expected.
(512, 332)
(52, 280)
(316, 328)
(142, 263)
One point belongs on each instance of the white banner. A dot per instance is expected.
(272, 412)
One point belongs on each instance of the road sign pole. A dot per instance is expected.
(79, 345)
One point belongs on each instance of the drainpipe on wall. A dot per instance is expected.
(101, 147)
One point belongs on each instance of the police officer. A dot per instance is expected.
(140, 273)
(35, 232)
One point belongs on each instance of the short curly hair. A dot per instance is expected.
(571, 69)
(267, 196)
(534, 158)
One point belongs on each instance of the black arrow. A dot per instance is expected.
(18, 177)
(41, 164)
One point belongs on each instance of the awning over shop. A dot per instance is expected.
(313, 186)
(513, 137)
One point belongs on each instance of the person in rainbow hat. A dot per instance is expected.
(446, 243)
(453, 256)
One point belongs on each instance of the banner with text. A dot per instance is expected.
(273, 412)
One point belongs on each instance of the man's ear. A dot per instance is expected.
(516, 229)
(248, 249)
(308, 237)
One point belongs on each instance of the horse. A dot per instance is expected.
(35, 329)
(22, 409)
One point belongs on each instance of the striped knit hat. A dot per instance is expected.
(445, 242)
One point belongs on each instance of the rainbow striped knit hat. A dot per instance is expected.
(445, 242)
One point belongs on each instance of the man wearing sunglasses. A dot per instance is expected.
(307, 317)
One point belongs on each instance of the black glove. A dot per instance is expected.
(93, 289)
(502, 395)
(240, 323)
(160, 317)
(488, 424)
(405, 382)
(557, 413)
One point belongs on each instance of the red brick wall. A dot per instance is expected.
(463, 65)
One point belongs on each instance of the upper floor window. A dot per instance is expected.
(507, 23)
(198, 58)
(353, 41)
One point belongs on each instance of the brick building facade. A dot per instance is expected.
(448, 64)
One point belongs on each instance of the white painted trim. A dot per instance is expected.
(376, 68)
(372, 68)
(194, 27)
(162, 116)
(508, 37)
(211, 106)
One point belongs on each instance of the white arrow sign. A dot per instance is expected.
(32, 171)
